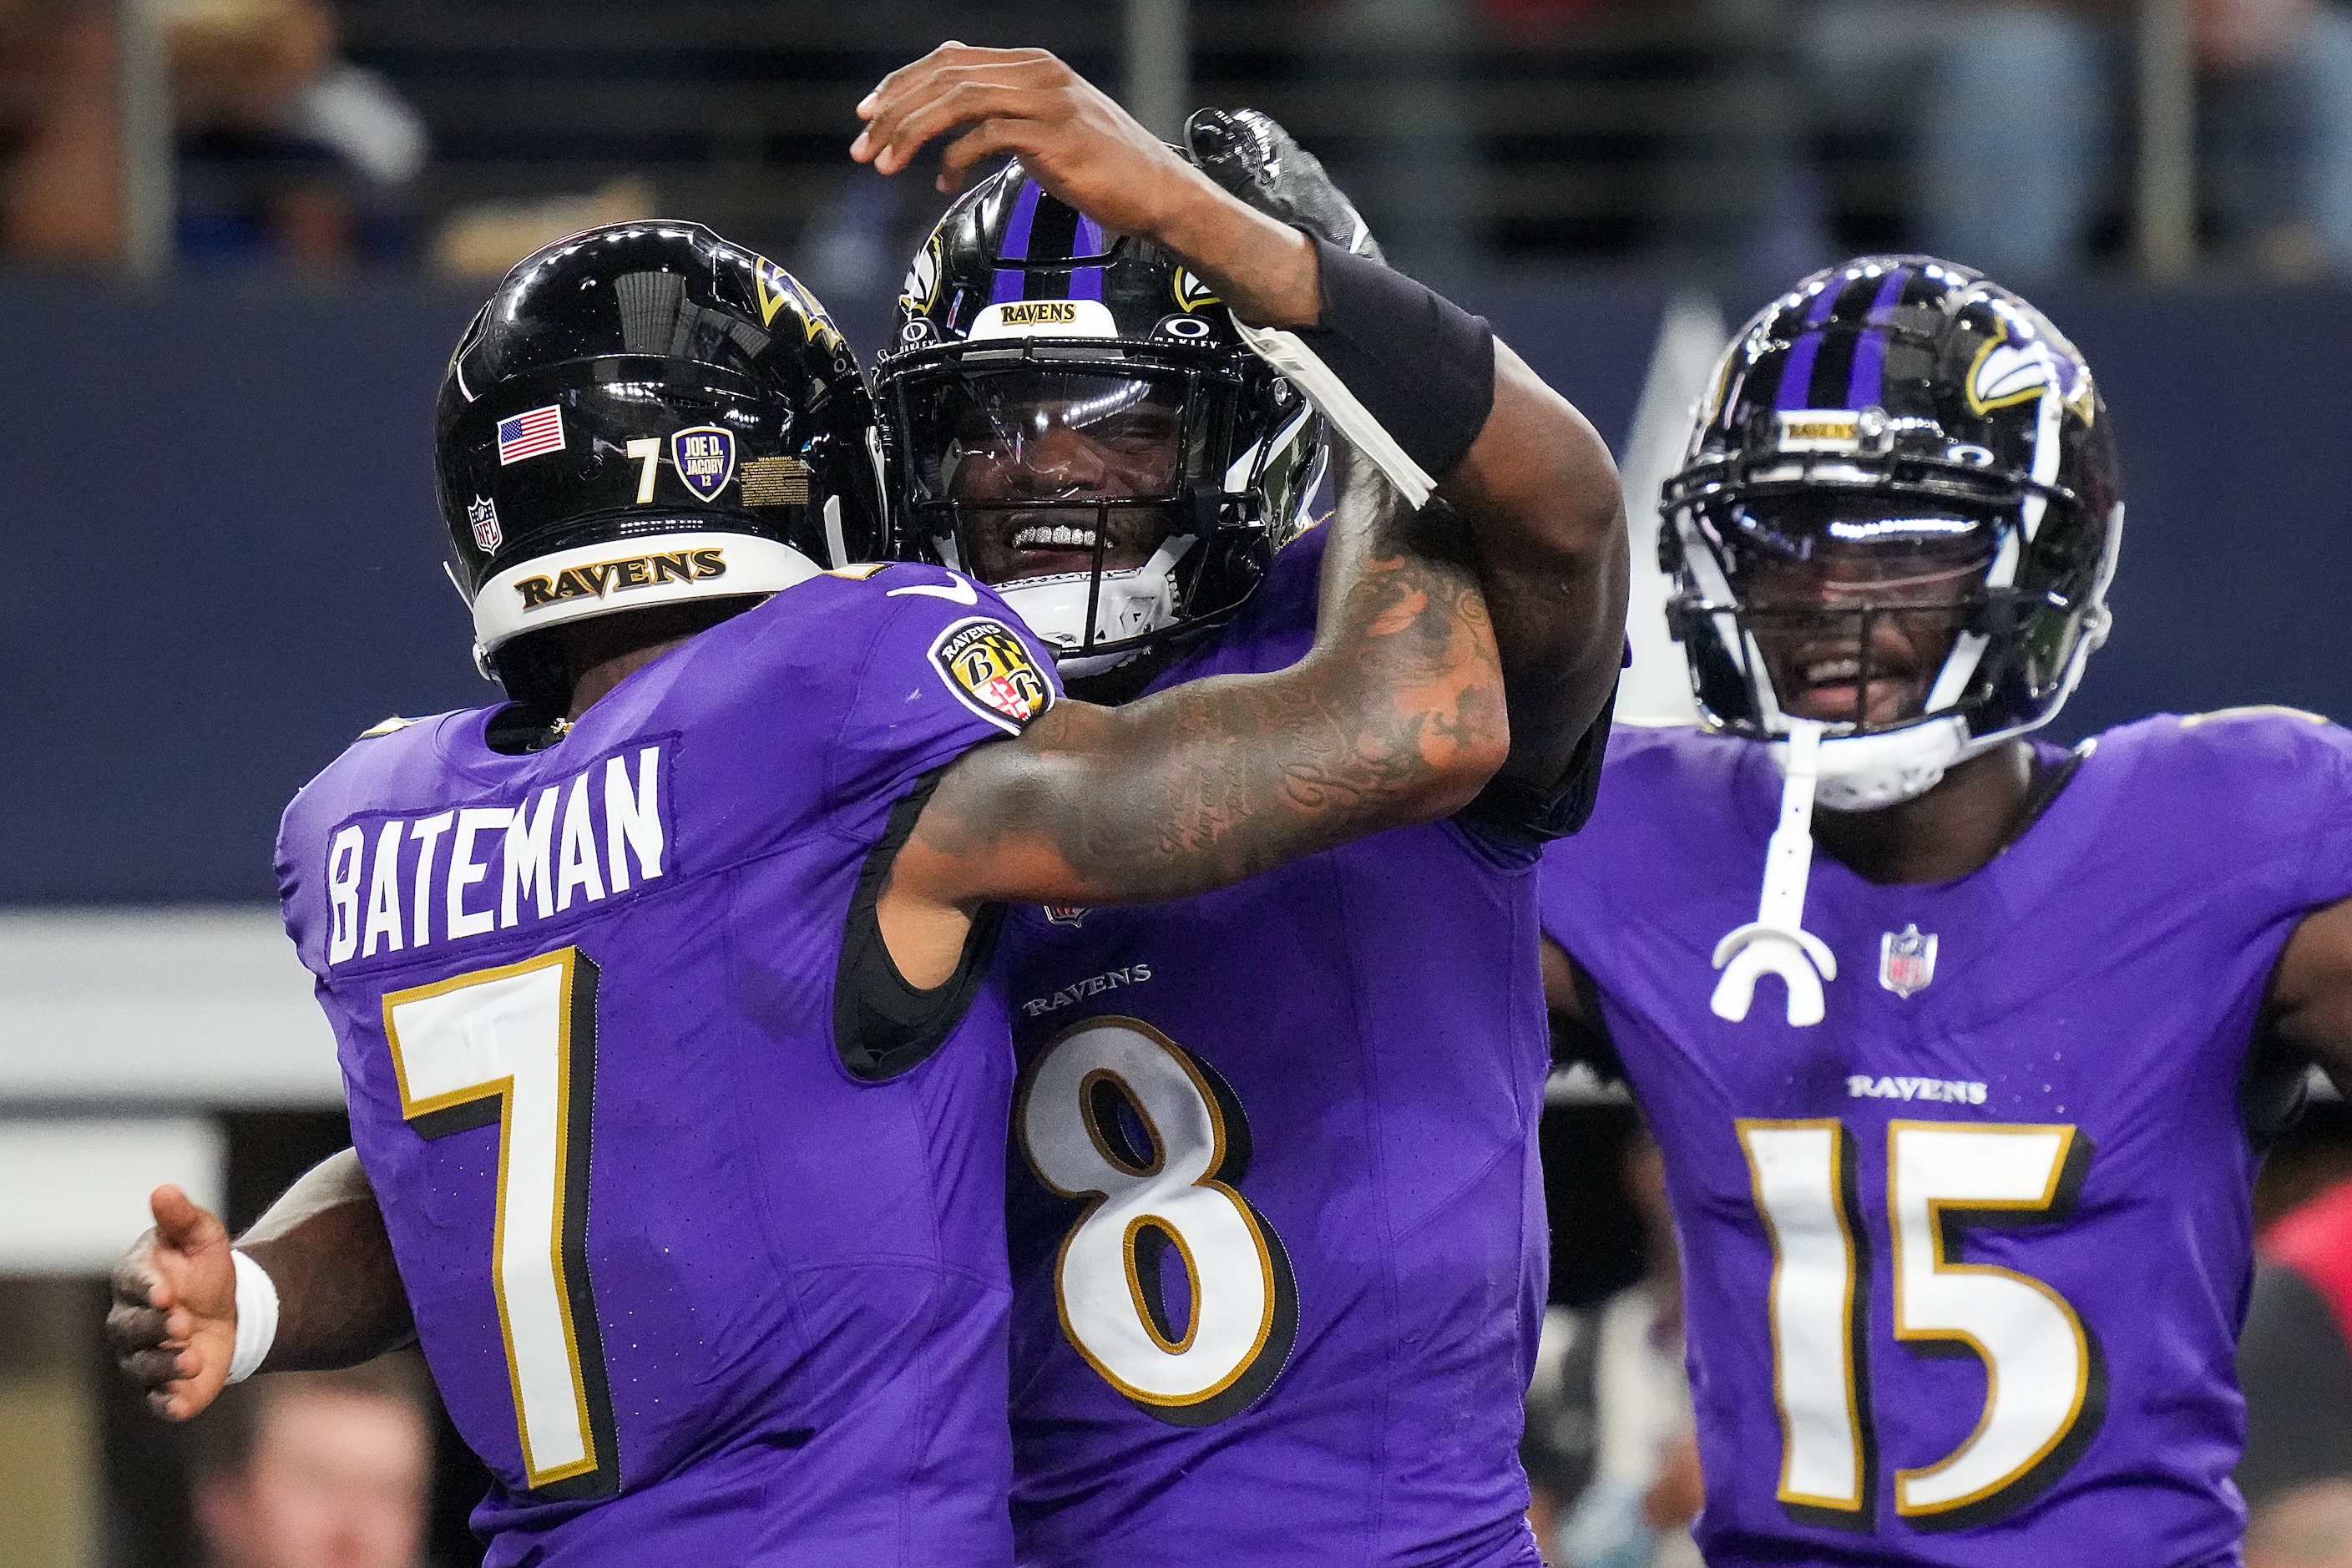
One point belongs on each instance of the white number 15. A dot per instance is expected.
(2041, 1371)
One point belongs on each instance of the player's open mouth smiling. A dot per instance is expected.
(1058, 537)
(1051, 544)
(1821, 680)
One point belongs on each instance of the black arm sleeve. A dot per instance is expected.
(881, 1026)
(1418, 362)
(2297, 1374)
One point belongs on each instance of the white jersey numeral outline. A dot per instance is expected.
(2044, 1384)
(1174, 1193)
(515, 1047)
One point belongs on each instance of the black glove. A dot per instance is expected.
(1257, 160)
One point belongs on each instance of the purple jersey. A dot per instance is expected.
(1965, 1262)
(691, 1288)
(1277, 1217)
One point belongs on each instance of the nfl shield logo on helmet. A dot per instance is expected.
(483, 513)
(1906, 960)
(704, 456)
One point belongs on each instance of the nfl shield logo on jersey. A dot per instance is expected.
(483, 513)
(1065, 914)
(1906, 960)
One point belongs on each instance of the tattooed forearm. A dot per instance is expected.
(1396, 716)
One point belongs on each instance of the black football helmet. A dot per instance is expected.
(1894, 444)
(644, 414)
(1070, 416)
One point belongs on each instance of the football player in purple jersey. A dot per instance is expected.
(1961, 1115)
(1277, 1225)
(1526, 496)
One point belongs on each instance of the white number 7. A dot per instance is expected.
(515, 1047)
(646, 450)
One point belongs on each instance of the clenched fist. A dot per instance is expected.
(172, 1325)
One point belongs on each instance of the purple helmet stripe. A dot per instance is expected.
(1863, 387)
(1796, 388)
(1890, 294)
(1024, 215)
(1868, 381)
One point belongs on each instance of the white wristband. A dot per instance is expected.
(256, 1317)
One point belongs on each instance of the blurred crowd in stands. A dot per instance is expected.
(1762, 135)
(1765, 136)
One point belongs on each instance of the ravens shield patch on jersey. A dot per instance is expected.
(991, 670)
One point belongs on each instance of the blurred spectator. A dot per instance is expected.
(2295, 1356)
(326, 1469)
(483, 240)
(60, 193)
(1610, 1450)
(287, 152)
(2019, 114)
(2310, 1527)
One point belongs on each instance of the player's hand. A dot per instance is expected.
(172, 1326)
(1069, 133)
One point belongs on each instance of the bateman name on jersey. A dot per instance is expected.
(583, 839)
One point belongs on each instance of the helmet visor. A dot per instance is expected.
(1050, 470)
(1855, 604)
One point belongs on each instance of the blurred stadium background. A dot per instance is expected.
(240, 235)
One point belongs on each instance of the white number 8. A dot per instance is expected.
(1153, 1194)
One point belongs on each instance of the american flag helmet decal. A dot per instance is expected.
(529, 435)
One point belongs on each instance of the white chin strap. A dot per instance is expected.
(1851, 772)
(1139, 600)
(1776, 941)
(1868, 773)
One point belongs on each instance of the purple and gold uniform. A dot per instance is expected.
(1965, 1262)
(1276, 1218)
(695, 1284)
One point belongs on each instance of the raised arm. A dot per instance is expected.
(1535, 486)
(173, 1321)
(1532, 485)
(1395, 716)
